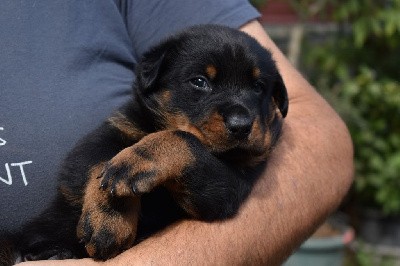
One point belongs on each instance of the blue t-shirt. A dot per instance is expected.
(64, 67)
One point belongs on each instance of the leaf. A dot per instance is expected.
(360, 33)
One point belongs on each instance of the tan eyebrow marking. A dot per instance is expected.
(211, 71)
(256, 72)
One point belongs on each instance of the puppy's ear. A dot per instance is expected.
(149, 68)
(280, 95)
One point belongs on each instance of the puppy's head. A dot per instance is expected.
(217, 83)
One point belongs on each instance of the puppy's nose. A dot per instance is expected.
(239, 123)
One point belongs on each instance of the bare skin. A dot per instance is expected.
(309, 173)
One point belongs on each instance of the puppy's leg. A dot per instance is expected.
(109, 215)
(204, 186)
(108, 224)
(154, 160)
(211, 188)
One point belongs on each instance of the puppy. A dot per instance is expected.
(206, 111)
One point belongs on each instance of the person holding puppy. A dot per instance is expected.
(66, 65)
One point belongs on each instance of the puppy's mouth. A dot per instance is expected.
(220, 137)
(214, 133)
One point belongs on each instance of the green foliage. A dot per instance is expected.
(365, 256)
(258, 3)
(358, 72)
(310, 8)
(371, 18)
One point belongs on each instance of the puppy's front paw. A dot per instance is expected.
(107, 225)
(156, 159)
(131, 172)
(109, 229)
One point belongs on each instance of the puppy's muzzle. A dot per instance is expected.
(238, 122)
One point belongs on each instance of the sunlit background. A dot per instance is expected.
(350, 51)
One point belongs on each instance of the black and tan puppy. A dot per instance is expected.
(206, 111)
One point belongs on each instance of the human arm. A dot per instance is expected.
(308, 175)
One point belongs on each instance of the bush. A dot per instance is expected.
(358, 72)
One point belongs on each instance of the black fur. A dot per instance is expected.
(242, 86)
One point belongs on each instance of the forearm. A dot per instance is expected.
(307, 176)
(304, 182)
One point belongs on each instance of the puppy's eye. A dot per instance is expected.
(200, 83)
(258, 87)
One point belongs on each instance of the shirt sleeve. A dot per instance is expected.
(149, 21)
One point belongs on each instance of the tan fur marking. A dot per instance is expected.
(256, 137)
(258, 143)
(176, 121)
(123, 189)
(127, 127)
(213, 127)
(211, 71)
(90, 249)
(267, 140)
(170, 155)
(181, 195)
(122, 227)
(181, 122)
(185, 203)
(70, 196)
(166, 96)
(267, 149)
(273, 110)
(256, 72)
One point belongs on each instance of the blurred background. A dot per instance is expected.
(350, 51)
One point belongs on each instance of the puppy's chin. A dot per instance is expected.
(248, 147)
(243, 155)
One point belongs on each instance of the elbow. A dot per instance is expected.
(344, 154)
(337, 145)
(339, 159)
